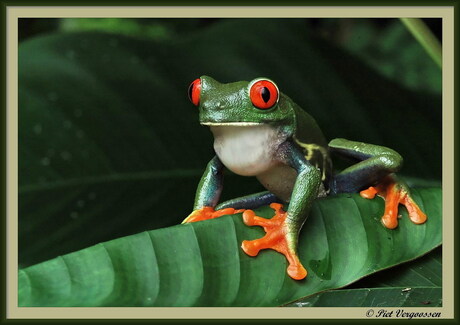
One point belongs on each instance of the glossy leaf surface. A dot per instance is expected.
(201, 264)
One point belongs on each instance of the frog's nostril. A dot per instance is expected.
(213, 105)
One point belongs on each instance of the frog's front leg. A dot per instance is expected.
(375, 172)
(208, 195)
(282, 231)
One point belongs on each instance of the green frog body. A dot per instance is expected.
(259, 131)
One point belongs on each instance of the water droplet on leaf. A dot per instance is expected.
(38, 129)
(67, 124)
(71, 54)
(65, 155)
(45, 161)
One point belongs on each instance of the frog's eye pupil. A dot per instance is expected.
(194, 92)
(264, 94)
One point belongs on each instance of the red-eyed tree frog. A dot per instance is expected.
(259, 131)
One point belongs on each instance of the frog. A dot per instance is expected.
(261, 132)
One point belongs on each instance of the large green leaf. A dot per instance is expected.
(201, 264)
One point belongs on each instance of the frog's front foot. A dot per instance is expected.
(206, 213)
(279, 236)
(395, 193)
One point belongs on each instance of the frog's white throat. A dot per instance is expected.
(247, 150)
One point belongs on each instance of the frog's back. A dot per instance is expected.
(309, 137)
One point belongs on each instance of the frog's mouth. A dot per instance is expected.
(230, 123)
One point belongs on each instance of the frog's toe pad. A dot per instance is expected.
(416, 215)
(369, 193)
(250, 247)
(250, 219)
(297, 272)
(277, 237)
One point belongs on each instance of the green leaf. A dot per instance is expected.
(392, 52)
(201, 264)
(425, 37)
(417, 283)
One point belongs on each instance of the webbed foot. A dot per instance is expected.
(279, 237)
(206, 213)
(395, 193)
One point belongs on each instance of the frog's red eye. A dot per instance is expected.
(194, 91)
(264, 94)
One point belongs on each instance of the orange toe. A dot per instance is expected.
(207, 213)
(250, 247)
(415, 214)
(198, 215)
(369, 193)
(297, 272)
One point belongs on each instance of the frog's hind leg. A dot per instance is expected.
(374, 175)
(251, 201)
(375, 163)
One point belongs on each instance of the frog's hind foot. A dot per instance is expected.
(279, 237)
(395, 193)
(207, 213)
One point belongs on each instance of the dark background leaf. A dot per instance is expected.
(417, 284)
(384, 45)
